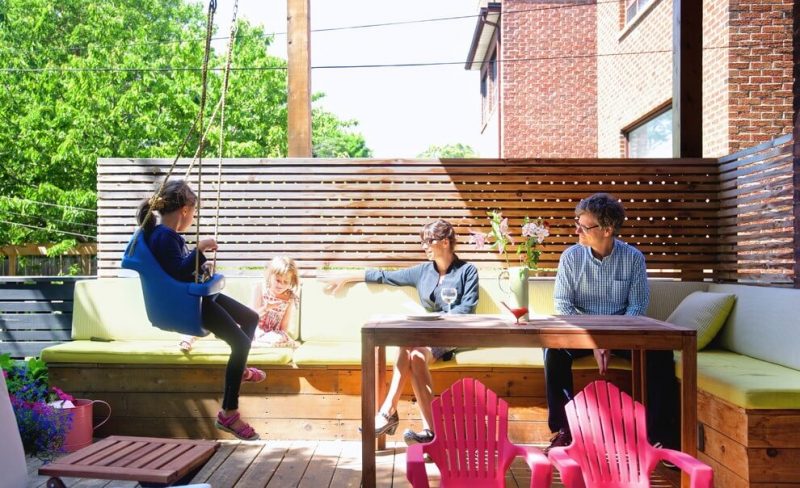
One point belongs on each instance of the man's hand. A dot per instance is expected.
(601, 356)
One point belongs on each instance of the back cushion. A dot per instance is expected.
(665, 295)
(113, 308)
(763, 323)
(335, 318)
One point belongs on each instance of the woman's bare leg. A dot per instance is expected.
(400, 374)
(422, 383)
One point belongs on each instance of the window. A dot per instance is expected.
(633, 7)
(651, 138)
(489, 86)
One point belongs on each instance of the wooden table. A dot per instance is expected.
(573, 331)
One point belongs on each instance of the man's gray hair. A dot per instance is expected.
(608, 211)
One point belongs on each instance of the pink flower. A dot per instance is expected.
(478, 239)
(64, 397)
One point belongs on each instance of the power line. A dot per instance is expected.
(780, 43)
(48, 230)
(48, 204)
(339, 28)
(48, 218)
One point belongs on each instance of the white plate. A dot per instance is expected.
(425, 316)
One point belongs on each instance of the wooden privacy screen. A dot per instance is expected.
(756, 214)
(353, 213)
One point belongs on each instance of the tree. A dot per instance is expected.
(448, 151)
(85, 80)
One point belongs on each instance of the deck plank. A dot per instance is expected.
(348, 470)
(264, 466)
(323, 465)
(337, 464)
(235, 465)
(294, 464)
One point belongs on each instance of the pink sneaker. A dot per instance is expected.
(253, 375)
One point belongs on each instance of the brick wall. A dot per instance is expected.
(760, 81)
(548, 102)
(715, 78)
(634, 69)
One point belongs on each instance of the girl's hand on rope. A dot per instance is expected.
(207, 245)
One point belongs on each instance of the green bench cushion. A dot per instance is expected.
(157, 352)
(763, 323)
(745, 381)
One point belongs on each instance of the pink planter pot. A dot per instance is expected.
(81, 430)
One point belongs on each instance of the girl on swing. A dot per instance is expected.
(226, 318)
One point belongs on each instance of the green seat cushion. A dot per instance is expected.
(704, 312)
(344, 354)
(523, 357)
(745, 381)
(157, 352)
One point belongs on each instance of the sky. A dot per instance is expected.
(401, 110)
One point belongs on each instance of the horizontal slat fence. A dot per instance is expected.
(353, 213)
(756, 214)
(35, 312)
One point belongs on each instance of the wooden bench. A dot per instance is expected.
(35, 312)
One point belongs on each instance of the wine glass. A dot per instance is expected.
(517, 312)
(449, 295)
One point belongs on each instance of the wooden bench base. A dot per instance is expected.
(321, 403)
(748, 448)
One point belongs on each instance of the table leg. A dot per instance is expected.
(689, 401)
(380, 387)
(368, 360)
(637, 373)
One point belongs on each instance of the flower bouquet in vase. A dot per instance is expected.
(512, 281)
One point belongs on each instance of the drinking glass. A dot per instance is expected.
(449, 295)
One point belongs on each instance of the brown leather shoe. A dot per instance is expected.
(560, 439)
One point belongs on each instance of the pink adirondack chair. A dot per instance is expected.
(609, 444)
(471, 446)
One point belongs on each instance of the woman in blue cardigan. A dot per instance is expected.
(442, 269)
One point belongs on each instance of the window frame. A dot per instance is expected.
(626, 131)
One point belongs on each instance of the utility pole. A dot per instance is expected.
(299, 77)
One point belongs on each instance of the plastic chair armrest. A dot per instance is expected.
(415, 467)
(571, 473)
(700, 474)
(541, 469)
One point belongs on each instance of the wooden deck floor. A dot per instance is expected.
(310, 464)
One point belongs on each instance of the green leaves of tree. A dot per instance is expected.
(125, 82)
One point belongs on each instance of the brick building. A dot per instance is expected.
(578, 78)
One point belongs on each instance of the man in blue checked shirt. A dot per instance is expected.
(601, 275)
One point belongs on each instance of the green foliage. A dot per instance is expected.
(448, 151)
(119, 78)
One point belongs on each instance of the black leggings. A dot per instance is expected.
(235, 324)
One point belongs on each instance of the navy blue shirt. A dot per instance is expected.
(461, 275)
(169, 249)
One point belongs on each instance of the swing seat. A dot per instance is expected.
(170, 304)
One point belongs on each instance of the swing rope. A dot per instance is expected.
(198, 124)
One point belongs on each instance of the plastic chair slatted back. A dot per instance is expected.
(171, 304)
(471, 446)
(609, 443)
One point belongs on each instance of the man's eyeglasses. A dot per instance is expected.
(429, 241)
(585, 228)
